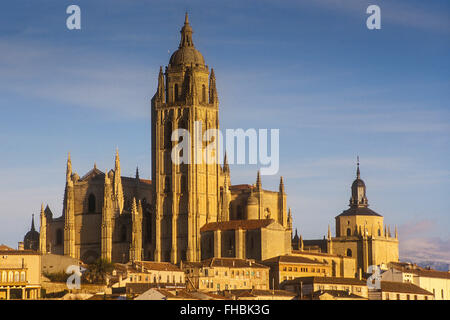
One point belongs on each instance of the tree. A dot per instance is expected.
(97, 272)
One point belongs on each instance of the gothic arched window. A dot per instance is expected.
(91, 203)
(123, 233)
(175, 92)
(349, 232)
(349, 252)
(168, 134)
(167, 184)
(183, 184)
(203, 93)
(59, 237)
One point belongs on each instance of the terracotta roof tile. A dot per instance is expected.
(236, 224)
(402, 287)
(293, 259)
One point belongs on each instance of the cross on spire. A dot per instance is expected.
(358, 174)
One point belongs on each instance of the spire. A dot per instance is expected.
(118, 190)
(396, 233)
(137, 173)
(32, 223)
(258, 181)
(139, 207)
(329, 233)
(226, 168)
(186, 34)
(69, 168)
(358, 174)
(358, 198)
(134, 207)
(43, 231)
(281, 185)
(161, 94)
(95, 165)
(212, 87)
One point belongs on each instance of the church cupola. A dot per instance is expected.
(186, 54)
(358, 198)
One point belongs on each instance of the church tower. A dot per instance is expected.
(69, 213)
(185, 195)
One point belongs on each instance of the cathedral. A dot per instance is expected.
(187, 212)
(191, 211)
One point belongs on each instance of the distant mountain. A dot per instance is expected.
(436, 265)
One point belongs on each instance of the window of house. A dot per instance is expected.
(349, 252)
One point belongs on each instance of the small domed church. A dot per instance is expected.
(186, 212)
(360, 233)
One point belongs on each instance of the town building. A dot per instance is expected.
(341, 266)
(289, 267)
(142, 275)
(20, 274)
(223, 274)
(390, 290)
(434, 281)
(308, 287)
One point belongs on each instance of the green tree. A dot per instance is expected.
(97, 272)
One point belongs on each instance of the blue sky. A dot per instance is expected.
(310, 68)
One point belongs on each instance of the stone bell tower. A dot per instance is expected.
(186, 195)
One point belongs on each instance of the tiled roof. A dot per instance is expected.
(19, 252)
(293, 259)
(258, 293)
(327, 280)
(315, 253)
(236, 224)
(357, 211)
(240, 187)
(338, 294)
(159, 266)
(5, 247)
(228, 263)
(402, 287)
(427, 273)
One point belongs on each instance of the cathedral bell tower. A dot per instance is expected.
(186, 195)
